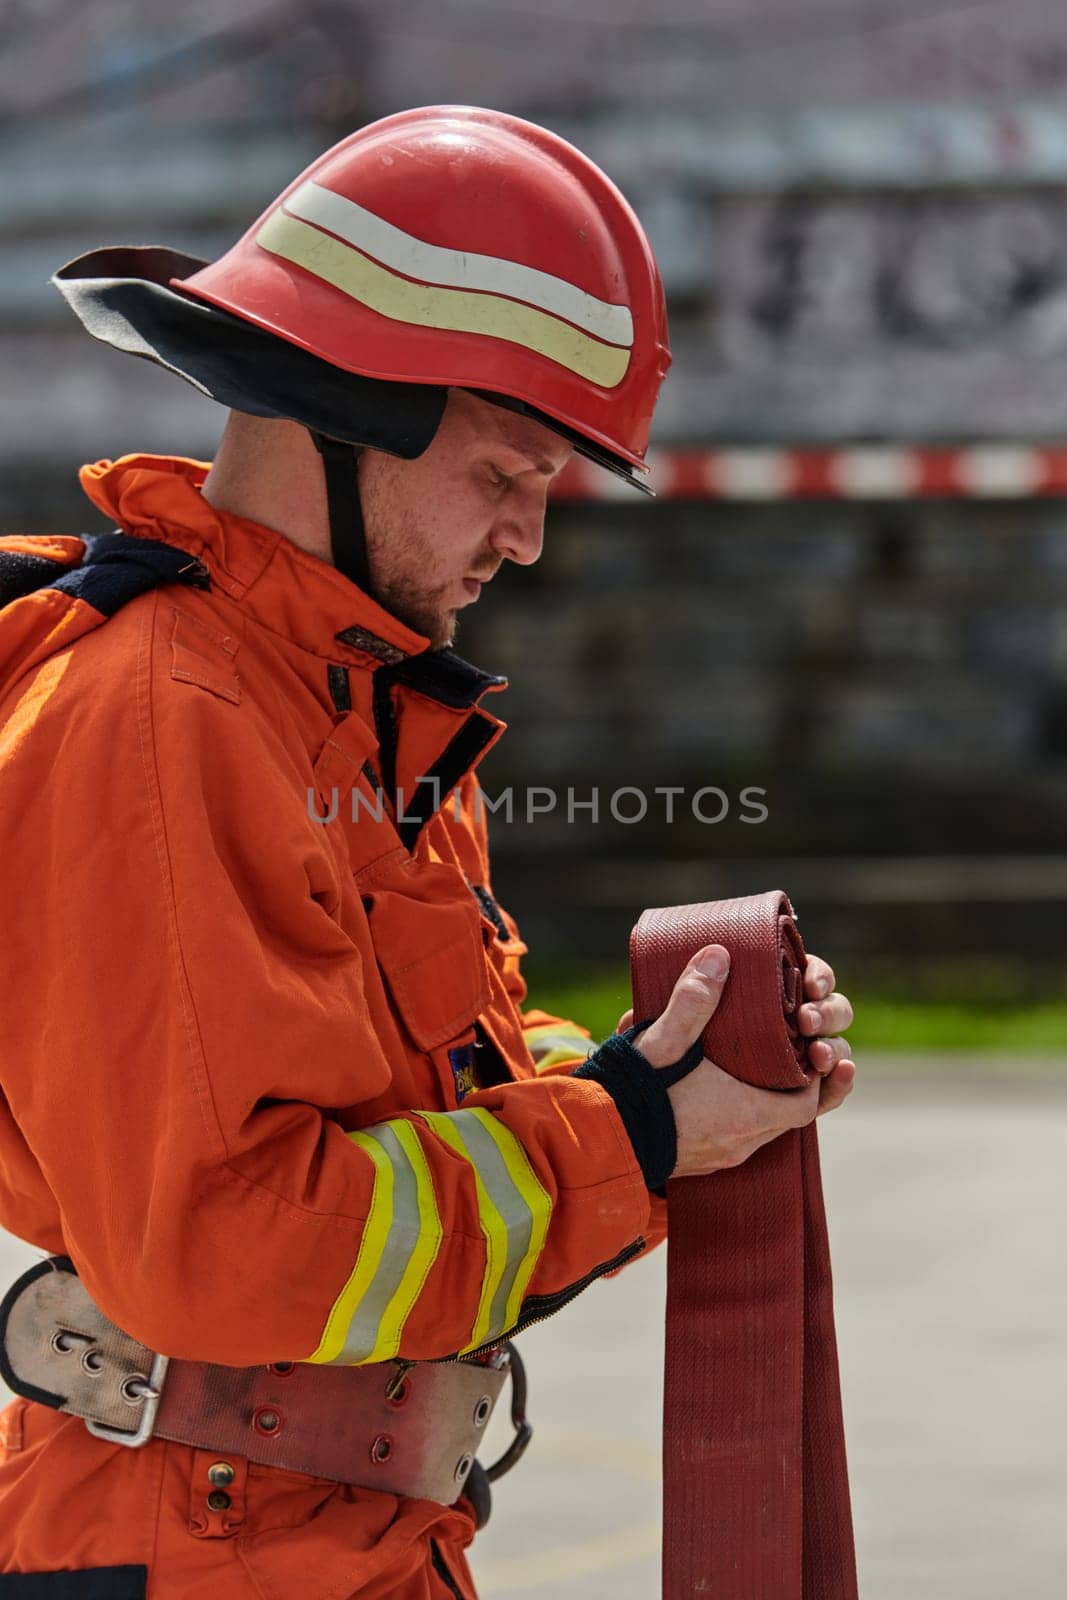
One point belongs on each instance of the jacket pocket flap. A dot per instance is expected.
(204, 655)
(432, 959)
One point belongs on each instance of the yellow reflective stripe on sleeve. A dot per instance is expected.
(401, 1238)
(514, 1212)
(554, 1030)
(424, 1250)
(556, 1040)
(494, 1228)
(552, 1058)
(376, 1233)
(536, 1198)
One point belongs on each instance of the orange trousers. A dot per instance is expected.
(73, 1503)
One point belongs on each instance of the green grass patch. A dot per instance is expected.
(942, 1025)
(597, 997)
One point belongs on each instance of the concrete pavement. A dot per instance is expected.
(946, 1189)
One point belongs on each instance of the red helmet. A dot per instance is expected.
(448, 247)
(459, 247)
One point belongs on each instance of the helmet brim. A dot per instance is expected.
(121, 296)
(585, 447)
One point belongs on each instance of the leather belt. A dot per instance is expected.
(756, 1497)
(410, 1429)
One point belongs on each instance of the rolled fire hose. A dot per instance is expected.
(755, 1481)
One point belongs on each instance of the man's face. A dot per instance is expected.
(441, 525)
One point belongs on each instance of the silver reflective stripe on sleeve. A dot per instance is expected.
(401, 1238)
(513, 1211)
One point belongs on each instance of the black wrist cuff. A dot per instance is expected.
(639, 1091)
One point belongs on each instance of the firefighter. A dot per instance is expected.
(271, 1102)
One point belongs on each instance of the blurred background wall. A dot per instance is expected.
(860, 213)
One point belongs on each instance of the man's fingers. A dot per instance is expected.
(825, 1092)
(722, 1121)
(832, 1015)
(625, 1021)
(692, 1002)
(824, 1054)
(819, 978)
(836, 1087)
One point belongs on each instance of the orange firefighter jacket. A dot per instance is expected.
(265, 1076)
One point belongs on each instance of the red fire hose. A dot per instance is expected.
(756, 1498)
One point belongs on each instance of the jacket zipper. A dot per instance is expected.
(386, 729)
(536, 1308)
(442, 1571)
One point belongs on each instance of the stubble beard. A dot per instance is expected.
(421, 610)
(397, 559)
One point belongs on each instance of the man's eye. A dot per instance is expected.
(498, 479)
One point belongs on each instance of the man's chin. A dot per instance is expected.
(441, 629)
(446, 634)
(437, 626)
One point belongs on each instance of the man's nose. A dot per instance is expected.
(520, 536)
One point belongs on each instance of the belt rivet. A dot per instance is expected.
(463, 1467)
(482, 1410)
(266, 1420)
(381, 1449)
(218, 1500)
(221, 1474)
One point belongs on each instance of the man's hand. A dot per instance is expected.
(721, 1121)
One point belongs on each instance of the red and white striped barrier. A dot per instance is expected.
(877, 472)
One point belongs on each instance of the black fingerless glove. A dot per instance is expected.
(639, 1091)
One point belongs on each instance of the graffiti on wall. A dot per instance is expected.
(928, 273)
(861, 315)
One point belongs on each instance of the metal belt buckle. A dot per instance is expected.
(136, 1390)
(57, 1347)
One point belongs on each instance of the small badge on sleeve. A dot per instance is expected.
(461, 1060)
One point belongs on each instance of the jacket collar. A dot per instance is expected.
(284, 587)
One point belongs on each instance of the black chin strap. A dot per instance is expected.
(348, 538)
